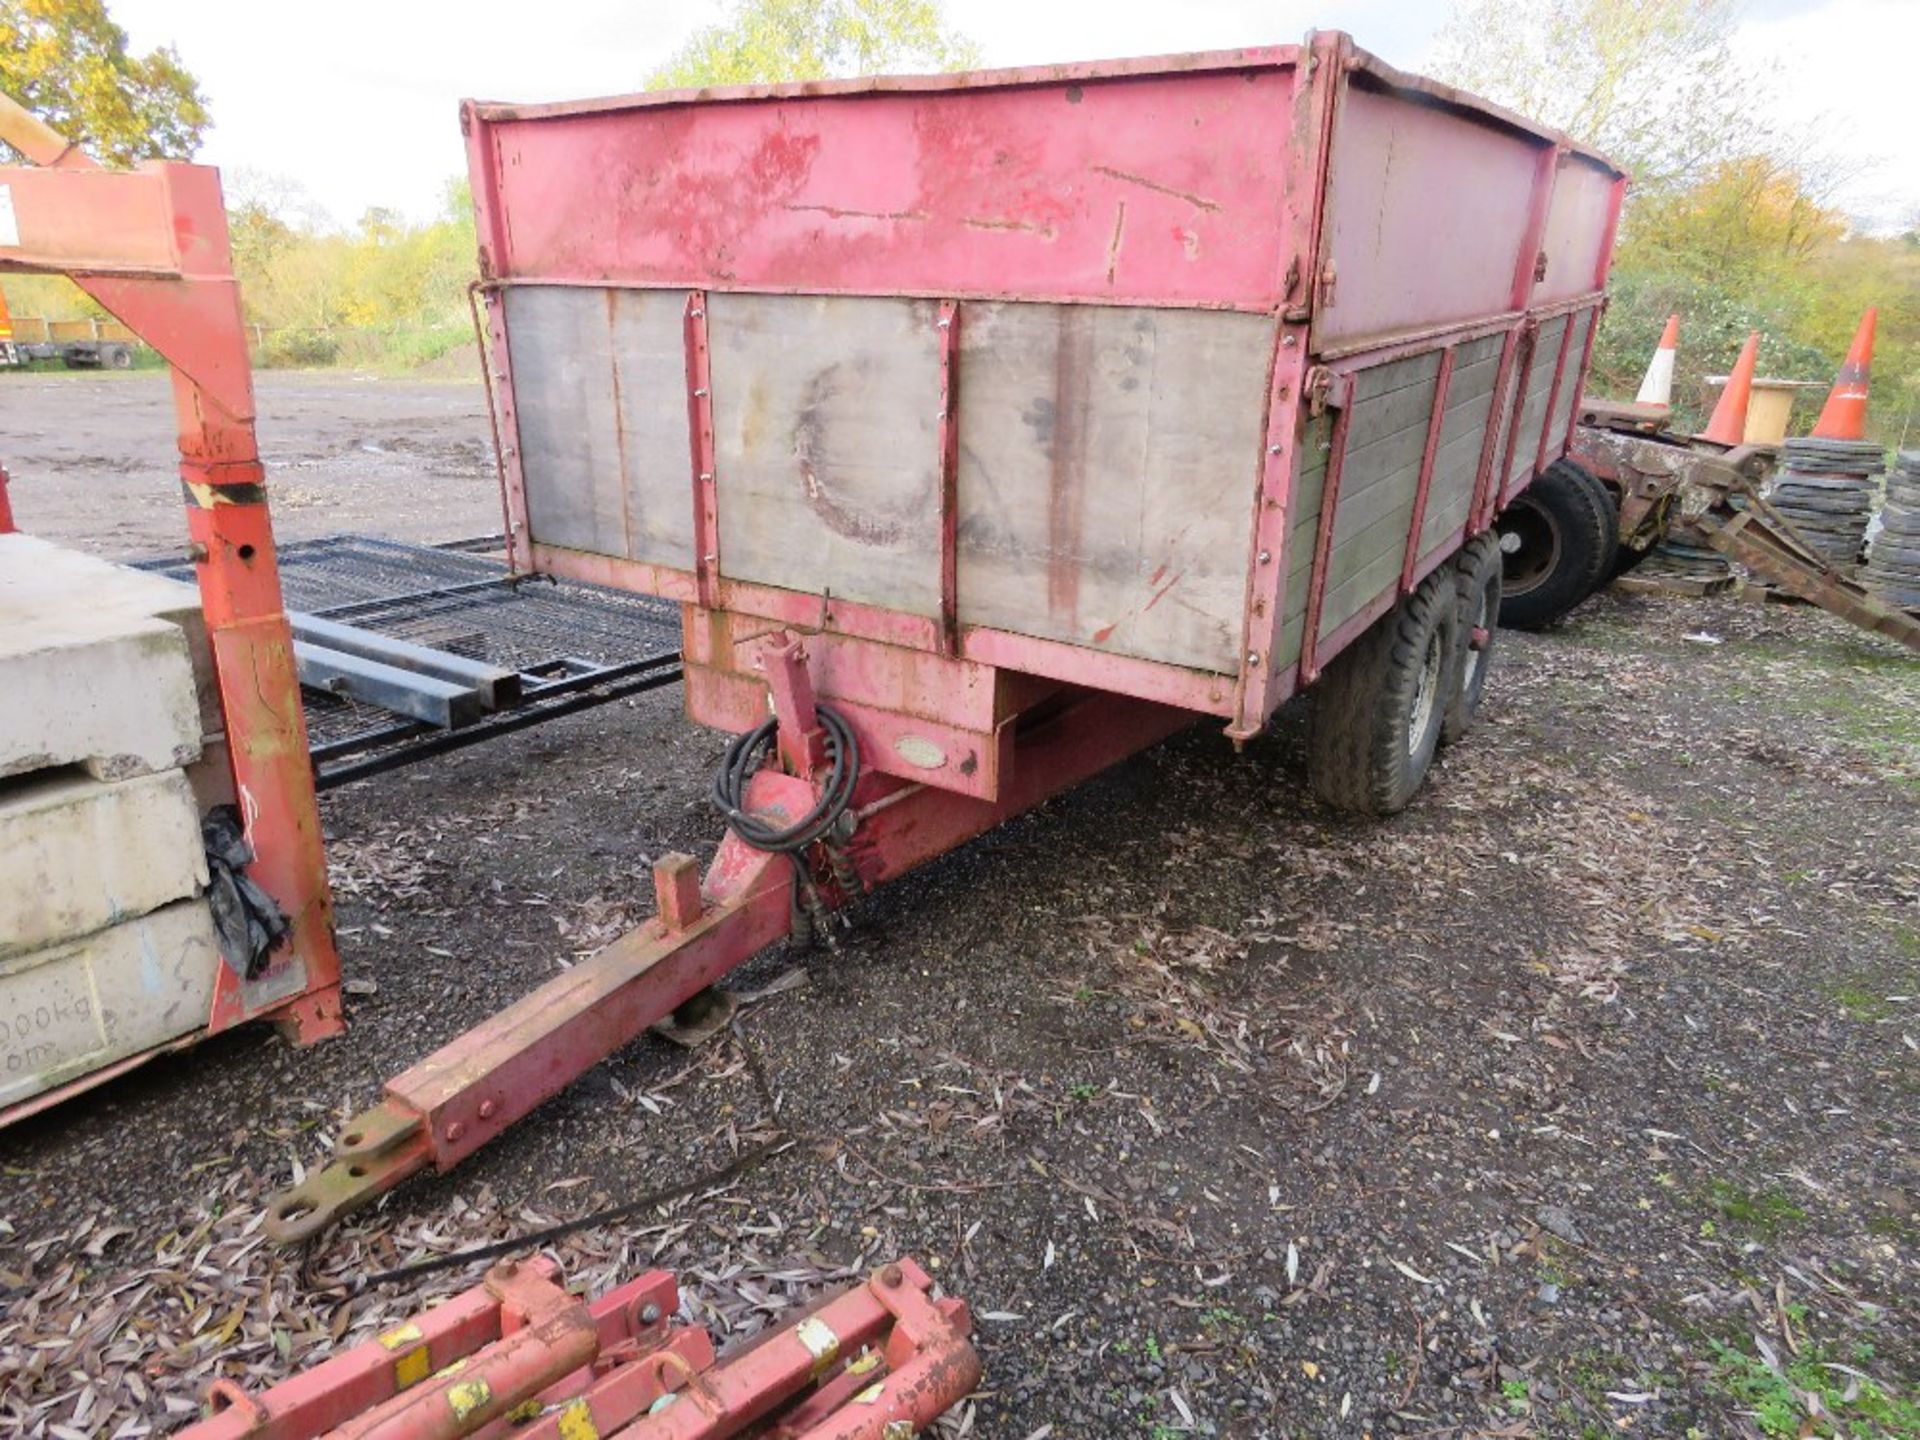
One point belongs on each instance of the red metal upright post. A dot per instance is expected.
(151, 246)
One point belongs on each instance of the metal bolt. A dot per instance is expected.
(699, 393)
(944, 323)
(456, 1130)
(706, 475)
(1273, 449)
(649, 1313)
(1287, 342)
(698, 313)
(488, 1109)
(1253, 657)
(1265, 556)
(890, 1276)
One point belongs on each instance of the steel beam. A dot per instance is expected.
(444, 703)
(497, 687)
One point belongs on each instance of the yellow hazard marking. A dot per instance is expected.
(401, 1336)
(870, 1395)
(467, 1397)
(412, 1367)
(525, 1411)
(865, 1363)
(576, 1422)
(452, 1368)
(821, 1342)
(898, 1430)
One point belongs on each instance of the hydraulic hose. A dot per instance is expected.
(743, 756)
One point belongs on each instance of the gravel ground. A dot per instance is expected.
(94, 463)
(1578, 1100)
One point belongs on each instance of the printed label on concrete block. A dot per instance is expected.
(111, 692)
(71, 1008)
(78, 854)
(40, 577)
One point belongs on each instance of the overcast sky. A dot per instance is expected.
(356, 99)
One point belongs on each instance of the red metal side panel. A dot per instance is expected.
(1158, 187)
(1427, 213)
(1579, 233)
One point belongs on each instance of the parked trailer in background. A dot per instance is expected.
(989, 428)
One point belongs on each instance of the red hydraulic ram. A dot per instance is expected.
(989, 428)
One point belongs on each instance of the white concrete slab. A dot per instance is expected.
(71, 1008)
(79, 854)
(41, 577)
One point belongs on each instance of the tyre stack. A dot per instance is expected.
(1825, 487)
(1893, 559)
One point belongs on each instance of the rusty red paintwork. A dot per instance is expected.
(155, 254)
(518, 1355)
(1081, 185)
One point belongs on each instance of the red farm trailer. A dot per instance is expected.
(990, 428)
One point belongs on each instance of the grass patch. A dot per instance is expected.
(1859, 1002)
(1807, 1395)
(1764, 1212)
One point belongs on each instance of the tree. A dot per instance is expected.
(68, 63)
(1652, 83)
(772, 40)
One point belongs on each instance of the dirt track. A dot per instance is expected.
(1566, 1104)
(94, 465)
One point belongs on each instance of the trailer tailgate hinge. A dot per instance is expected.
(1329, 282)
(1319, 390)
(1539, 267)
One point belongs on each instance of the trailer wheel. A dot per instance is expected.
(120, 357)
(1378, 708)
(1476, 578)
(1557, 540)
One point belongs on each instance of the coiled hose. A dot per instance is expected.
(743, 756)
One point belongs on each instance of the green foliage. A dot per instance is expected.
(388, 291)
(1653, 83)
(68, 63)
(1807, 1395)
(764, 41)
(1727, 224)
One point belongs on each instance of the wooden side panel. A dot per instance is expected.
(825, 414)
(1533, 404)
(1392, 407)
(1456, 466)
(1108, 459)
(1303, 528)
(600, 379)
(1564, 402)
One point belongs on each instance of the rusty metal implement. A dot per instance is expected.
(518, 1355)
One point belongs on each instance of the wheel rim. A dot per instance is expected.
(1426, 692)
(1529, 547)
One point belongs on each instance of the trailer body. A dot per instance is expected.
(989, 428)
(1164, 377)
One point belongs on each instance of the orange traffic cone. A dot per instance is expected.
(1657, 387)
(1729, 422)
(1845, 415)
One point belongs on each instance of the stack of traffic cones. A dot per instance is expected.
(1825, 483)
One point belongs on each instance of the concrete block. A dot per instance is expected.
(45, 578)
(211, 776)
(109, 692)
(71, 1008)
(78, 854)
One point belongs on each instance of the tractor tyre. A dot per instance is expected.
(1378, 707)
(1557, 540)
(1476, 577)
